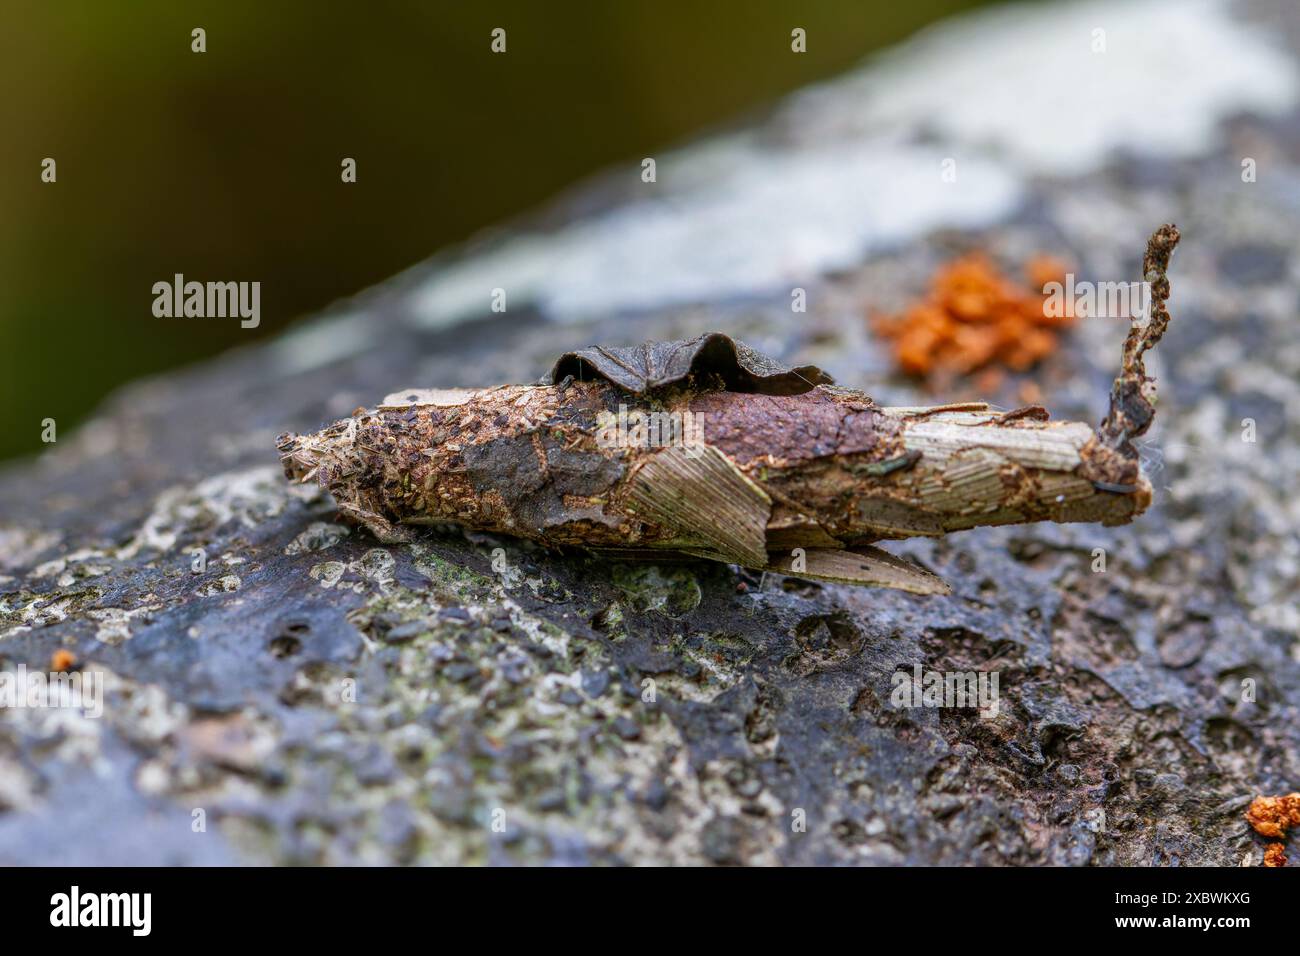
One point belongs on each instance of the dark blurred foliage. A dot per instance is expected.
(225, 165)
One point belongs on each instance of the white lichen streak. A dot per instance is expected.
(746, 215)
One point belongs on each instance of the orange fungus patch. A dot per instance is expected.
(975, 318)
(1272, 817)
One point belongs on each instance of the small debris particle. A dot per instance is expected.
(408, 631)
(460, 671)
(569, 697)
(626, 728)
(62, 660)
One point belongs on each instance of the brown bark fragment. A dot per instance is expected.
(790, 427)
(834, 470)
(780, 458)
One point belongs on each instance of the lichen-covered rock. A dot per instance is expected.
(283, 689)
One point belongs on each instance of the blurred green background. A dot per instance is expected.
(225, 165)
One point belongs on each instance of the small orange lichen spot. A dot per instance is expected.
(1275, 855)
(1271, 816)
(989, 380)
(1040, 270)
(974, 318)
(1030, 393)
(62, 660)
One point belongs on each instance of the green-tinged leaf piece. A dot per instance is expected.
(862, 565)
(641, 368)
(701, 497)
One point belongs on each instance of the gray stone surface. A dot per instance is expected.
(323, 698)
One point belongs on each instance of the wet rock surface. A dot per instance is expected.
(322, 698)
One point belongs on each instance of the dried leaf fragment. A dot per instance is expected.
(863, 565)
(652, 365)
(699, 490)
